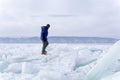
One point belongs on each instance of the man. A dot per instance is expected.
(44, 34)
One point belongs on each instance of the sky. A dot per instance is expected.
(84, 18)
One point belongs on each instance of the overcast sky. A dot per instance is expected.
(89, 18)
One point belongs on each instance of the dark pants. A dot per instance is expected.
(45, 44)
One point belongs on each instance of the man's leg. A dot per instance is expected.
(43, 47)
(45, 44)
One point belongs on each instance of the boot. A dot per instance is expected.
(44, 52)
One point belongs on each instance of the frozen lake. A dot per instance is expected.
(63, 62)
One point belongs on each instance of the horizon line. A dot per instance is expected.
(64, 36)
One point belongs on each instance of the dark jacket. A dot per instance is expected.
(44, 33)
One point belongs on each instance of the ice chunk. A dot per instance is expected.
(29, 68)
(15, 68)
(115, 76)
(49, 75)
(3, 65)
(106, 65)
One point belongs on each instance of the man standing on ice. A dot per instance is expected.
(44, 34)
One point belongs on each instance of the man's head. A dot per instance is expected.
(48, 25)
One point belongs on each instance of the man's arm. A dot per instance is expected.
(44, 37)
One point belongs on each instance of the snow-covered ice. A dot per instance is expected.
(107, 65)
(63, 62)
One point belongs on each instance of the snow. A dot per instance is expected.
(63, 62)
